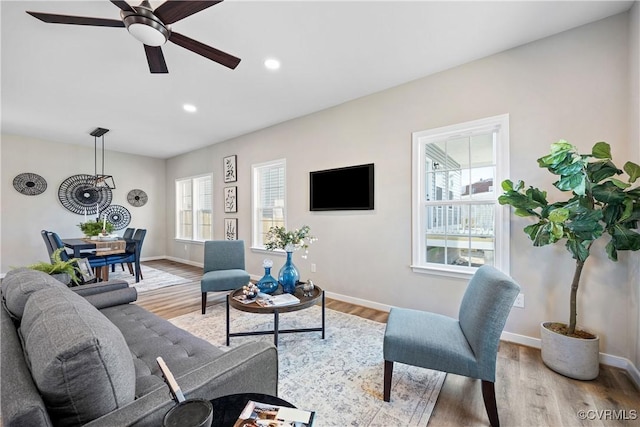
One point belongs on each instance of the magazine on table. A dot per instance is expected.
(243, 299)
(276, 300)
(257, 414)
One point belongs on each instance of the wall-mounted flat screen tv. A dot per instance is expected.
(342, 189)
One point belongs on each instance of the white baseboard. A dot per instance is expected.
(182, 261)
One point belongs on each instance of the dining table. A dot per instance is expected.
(101, 247)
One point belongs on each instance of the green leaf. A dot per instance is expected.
(611, 251)
(601, 150)
(599, 171)
(633, 170)
(608, 192)
(538, 234)
(621, 185)
(575, 183)
(559, 215)
(624, 239)
(507, 185)
(577, 250)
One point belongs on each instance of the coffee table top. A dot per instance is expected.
(305, 301)
(227, 409)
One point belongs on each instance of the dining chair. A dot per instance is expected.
(466, 346)
(132, 254)
(96, 262)
(128, 234)
(223, 267)
(47, 242)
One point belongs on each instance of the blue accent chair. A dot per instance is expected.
(465, 346)
(223, 267)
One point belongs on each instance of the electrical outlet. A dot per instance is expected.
(519, 302)
(313, 268)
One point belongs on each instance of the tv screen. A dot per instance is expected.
(349, 188)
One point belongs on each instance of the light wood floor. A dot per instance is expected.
(528, 393)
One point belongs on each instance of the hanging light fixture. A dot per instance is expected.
(100, 180)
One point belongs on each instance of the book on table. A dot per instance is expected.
(276, 300)
(257, 414)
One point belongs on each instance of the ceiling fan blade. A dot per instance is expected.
(155, 58)
(51, 18)
(213, 54)
(174, 10)
(123, 5)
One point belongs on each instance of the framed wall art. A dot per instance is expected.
(85, 269)
(230, 199)
(230, 165)
(231, 229)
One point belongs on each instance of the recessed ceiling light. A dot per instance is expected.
(272, 64)
(189, 108)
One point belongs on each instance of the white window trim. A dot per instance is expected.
(254, 203)
(193, 208)
(502, 229)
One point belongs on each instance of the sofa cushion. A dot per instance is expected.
(19, 284)
(79, 360)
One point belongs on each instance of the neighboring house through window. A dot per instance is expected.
(268, 197)
(194, 208)
(458, 224)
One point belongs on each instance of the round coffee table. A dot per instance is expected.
(306, 301)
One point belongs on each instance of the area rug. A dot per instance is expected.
(153, 278)
(339, 377)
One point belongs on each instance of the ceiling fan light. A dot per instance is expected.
(147, 31)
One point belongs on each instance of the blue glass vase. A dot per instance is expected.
(267, 284)
(289, 276)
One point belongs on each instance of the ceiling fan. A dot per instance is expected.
(151, 27)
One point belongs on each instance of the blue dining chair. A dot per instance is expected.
(127, 235)
(95, 262)
(466, 346)
(132, 254)
(47, 242)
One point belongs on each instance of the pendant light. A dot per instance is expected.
(100, 180)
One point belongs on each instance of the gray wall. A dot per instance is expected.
(573, 86)
(24, 216)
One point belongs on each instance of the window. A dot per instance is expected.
(458, 224)
(269, 206)
(194, 208)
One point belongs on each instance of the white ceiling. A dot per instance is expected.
(59, 82)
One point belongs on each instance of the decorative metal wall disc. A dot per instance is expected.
(29, 184)
(117, 215)
(78, 196)
(137, 198)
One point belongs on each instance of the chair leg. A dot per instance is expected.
(489, 396)
(388, 373)
(204, 302)
(130, 266)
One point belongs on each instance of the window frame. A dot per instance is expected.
(256, 244)
(419, 206)
(195, 203)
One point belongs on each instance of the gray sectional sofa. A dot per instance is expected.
(87, 356)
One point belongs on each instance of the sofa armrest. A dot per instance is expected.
(249, 368)
(100, 287)
(112, 298)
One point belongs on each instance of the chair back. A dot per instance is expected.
(483, 313)
(223, 255)
(138, 238)
(56, 243)
(128, 233)
(47, 242)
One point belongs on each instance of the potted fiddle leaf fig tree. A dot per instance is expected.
(602, 201)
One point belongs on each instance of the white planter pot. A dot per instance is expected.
(572, 357)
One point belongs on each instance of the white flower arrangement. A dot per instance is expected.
(280, 238)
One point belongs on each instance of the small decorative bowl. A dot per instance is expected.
(250, 291)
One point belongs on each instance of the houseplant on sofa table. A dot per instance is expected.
(599, 203)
